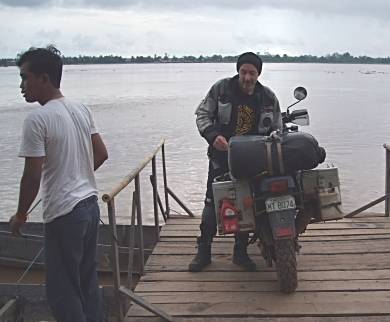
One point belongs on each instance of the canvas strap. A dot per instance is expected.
(280, 157)
(269, 157)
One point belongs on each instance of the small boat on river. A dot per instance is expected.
(21, 251)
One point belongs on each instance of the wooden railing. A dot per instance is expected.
(387, 183)
(136, 212)
(384, 198)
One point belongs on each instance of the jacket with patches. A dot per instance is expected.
(216, 113)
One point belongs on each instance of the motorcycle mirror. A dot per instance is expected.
(300, 93)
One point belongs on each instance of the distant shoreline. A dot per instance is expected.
(335, 58)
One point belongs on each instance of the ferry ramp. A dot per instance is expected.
(343, 272)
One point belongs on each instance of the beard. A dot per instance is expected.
(247, 87)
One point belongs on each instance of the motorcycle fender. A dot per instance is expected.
(282, 224)
(266, 234)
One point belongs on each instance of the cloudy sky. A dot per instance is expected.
(194, 27)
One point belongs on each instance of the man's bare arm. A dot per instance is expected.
(99, 150)
(29, 187)
(29, 184)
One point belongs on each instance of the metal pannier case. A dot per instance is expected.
(237, 194)
(321, 187)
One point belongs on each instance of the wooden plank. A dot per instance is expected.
(336, 232)
(343, 272)
(224, 318)
(337, 247)
(365, 217)
(318, 226)
(307, 237)
(263, 286)
(368, 214)
(331, 275)
(144, 304)
(268, 303)
(305, 262)
(302, 238)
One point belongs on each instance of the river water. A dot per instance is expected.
(137, 105)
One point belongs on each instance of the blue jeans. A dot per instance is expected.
(72, 286)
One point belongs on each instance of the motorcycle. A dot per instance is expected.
(272, 192)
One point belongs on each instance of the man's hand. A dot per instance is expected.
(15, 222)
(220, 143)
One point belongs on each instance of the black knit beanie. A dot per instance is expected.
(250, 58)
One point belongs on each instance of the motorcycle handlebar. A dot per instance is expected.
(302, 113)
(287, 118)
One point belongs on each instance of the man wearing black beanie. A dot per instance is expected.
(239, 105)
(250, 58)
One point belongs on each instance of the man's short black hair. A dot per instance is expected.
(43, 60)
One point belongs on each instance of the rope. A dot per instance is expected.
(29, 266)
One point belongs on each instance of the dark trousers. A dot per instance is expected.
(208, 226)
(72, 286)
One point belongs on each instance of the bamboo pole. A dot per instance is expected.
(131, 176)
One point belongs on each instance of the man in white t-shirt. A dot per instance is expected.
(62, 148)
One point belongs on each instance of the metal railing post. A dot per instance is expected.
(139, 224)
(387, 178)
(181, 204)
(384, 198)
(155, 205)
(108, 198)
(115, 258)
(131, 244)
(167, 210)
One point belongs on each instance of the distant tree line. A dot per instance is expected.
(335, 58)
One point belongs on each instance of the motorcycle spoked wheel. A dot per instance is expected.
(286, 265)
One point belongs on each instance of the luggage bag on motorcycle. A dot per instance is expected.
(250, 155)
(321, 188)
(239, 195)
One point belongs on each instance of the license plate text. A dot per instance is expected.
(280, 203)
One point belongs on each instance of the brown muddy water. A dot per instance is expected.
(135, 105)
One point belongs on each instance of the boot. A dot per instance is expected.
(240, 254)
(202, 258)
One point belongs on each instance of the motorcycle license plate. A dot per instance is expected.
(280, 203)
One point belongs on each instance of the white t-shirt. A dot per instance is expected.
(61, 131)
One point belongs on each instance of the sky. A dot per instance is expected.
(190, 27)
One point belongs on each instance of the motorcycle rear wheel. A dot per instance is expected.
(286, 265)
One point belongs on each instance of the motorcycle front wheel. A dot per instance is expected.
(286, 265)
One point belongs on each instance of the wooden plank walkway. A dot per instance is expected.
(344, 275)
